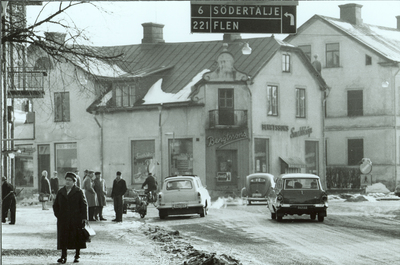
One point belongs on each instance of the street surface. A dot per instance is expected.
(352, 233)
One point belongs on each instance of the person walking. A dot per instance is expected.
(117, 194)
(90, 193)
(45, 189)
(101, 191)
(54, 185)
(9, 202)
(78, 179)
(70, 209)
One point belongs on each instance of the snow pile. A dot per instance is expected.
(223, 202)
(173, 243)
(377, 188)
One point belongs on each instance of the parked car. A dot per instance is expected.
(257, 187)
(298, 193)
(183, 194)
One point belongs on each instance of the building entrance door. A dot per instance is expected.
(43, 160)
(227, 167)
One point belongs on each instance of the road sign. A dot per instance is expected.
(243, 18)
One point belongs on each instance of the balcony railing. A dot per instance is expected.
(227, 118)
(24, 82)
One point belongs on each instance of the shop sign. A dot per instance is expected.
(273, 127)
(226, 139)
(305, 130)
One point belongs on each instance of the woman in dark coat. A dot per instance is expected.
(70, 208)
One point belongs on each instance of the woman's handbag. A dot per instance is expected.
(43, 197)
(88, 232)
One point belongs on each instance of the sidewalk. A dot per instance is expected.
(33, 240)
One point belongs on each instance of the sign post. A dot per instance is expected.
(245, 17)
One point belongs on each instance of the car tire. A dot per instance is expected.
(273, 216)
(279, 218)
(313, 216)
(248, 202)
(203, 212)
(320, 218)
(162, 214)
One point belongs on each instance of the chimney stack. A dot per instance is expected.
(229, 37)
(398, 22)
(152, 33)
(351, 13)
(56, 37)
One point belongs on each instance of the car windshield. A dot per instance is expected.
(302, 183)
(179, 184)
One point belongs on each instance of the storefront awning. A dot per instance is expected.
(293, 162)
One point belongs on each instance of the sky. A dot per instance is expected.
(108, 23)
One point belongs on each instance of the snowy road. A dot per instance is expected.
(353, 233)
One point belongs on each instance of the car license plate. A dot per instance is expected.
(302, 207)
(179, 205)
(256, 195)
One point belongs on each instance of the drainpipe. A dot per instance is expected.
(161, 136)
(101, 144)
(395, 125)
(250, 121)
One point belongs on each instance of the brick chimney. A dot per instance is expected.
(398, 22)
(56, 37)
(351, 13)
(152, 33)
(229, 37)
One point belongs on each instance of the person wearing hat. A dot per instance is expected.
(118, 190)
(151, 183)
(101, 191)
(8, 201)
(85, 173)
(90, 194)
(70, 209)
(45, 189)
(54, 184)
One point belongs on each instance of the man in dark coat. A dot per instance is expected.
(100, 189)
(118, 190)
(70, 208)
(9, 201)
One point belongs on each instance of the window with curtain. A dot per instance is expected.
(300, 103)
(61, 107)
(332, 55)
(272, 100)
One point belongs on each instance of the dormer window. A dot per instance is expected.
(124, 95)
(286, 62)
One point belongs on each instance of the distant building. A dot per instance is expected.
(199, 108)
(360, 62)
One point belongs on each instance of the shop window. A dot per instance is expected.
(368, 60)
(355, 103)
(272, 100)
(227, 167)
(66, 159)
(311, 156)
(332, 55)
(61, 107)
(24, 166)
(300, 103)
(307, 50)
(355, 148)
(286, 62)
(143, 160)
(180, 156)
(125, 95)
(261, 155)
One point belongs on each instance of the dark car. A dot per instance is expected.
(257, 187)
(299, 194)
(397, 191)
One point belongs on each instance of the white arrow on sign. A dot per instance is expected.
(291, 18)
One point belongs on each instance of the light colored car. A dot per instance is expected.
(299, 194)
(184, 194)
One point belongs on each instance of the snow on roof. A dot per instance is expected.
(100, 68)
(156, 95)
(383, 40)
